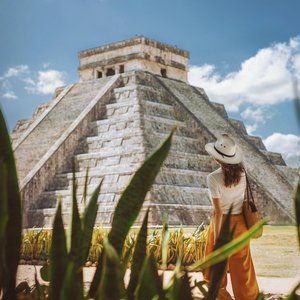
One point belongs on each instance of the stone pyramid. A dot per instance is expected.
(130, 95)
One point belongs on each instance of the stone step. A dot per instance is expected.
(178, 177)
(179, 143)
(182, 177)
(120, 133)
(164, 193)
(191, 161)
(95, 142)
(110, 158)
(164, 125)
(44, 217)
(275, 158)
(179, 214)
(158, 109)
(256, 141)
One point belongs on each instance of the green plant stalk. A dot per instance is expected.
(3, 220)
(111, 283)
(11, 246)
(139, 256)
(165, 239)
(297, 209)
(150, 284)
(133, 197)
(88, 222)
(58, 256)
(228, 249)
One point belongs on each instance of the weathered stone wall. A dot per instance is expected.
(57, 156)
(137, 54)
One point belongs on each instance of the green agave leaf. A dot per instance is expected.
(111, 284)
(293, 295)
(260, 296)
(184, 290)
(3, 205)
(88, 222)
(297, 209)
(133, 197)
(3, 219)
(228, 249)
(58, 255)
(13, 228)
(45, 272)
(165, 240)
(217, 270)
(86, 178)
(71, 288)
(77, 247)
(150, 284)
(139, 256)
(97, 276)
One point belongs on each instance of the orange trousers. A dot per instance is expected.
(239, 265)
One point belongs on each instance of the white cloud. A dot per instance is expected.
(46, 82)
(16, 71)
(9, 95)
(264, 79)
(254, 117)
(286, 144)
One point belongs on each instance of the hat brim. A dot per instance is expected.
(236, 159)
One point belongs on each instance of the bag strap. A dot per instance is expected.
(249, 194)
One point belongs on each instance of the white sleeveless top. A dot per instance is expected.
(227, 195)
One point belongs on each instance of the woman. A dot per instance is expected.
(227, 187)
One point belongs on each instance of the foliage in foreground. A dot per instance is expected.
(69, 252)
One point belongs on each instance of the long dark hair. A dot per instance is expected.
(232, 173)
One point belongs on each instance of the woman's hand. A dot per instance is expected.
(218, 215)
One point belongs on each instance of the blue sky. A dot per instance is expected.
(244, 53)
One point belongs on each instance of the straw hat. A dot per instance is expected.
(225, 150)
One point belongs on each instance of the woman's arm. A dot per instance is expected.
(217, 217)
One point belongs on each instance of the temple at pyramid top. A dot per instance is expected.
(139, 53)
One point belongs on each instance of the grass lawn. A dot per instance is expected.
(276, 253)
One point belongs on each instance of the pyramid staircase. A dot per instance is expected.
(135, 112)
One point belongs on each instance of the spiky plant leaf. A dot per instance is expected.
(3, 205)
(71, 288)
(58, 255)
(217, 271)
(3, 219)
(184, 290)
(294, 295)
(77, 249)
(85, 187)
(133, 197)
(88, 223)
(13, 228)
(139, 256)
(45, 272)
(111, 284)
(164, 244)
(297, 209)
(150, 284)
(228, 249)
